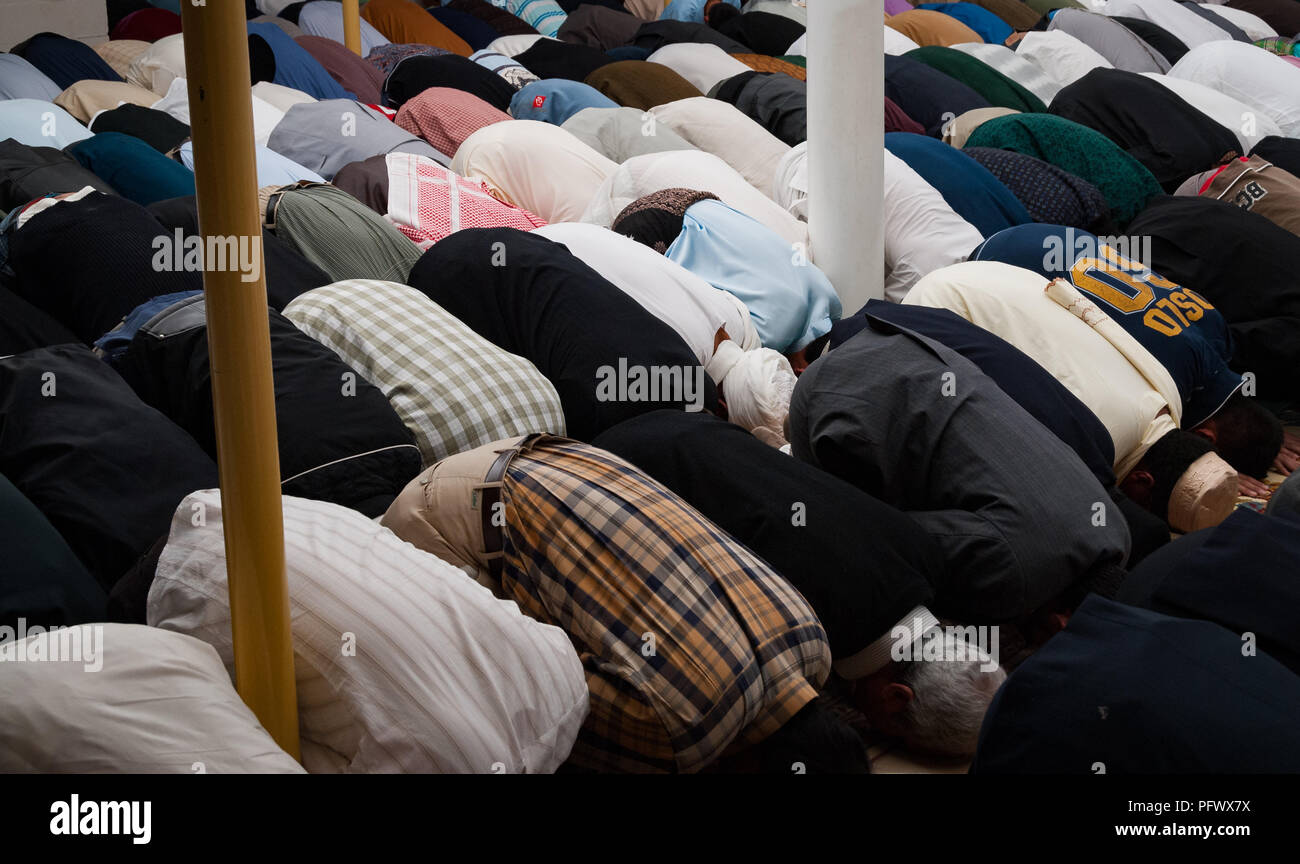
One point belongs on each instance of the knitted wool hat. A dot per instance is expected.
(655, 220)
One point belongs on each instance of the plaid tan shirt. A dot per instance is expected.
(452, 388)
(120, 53)
(689, 640)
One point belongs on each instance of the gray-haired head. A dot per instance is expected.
(949, 698)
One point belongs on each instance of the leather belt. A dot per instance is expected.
(493, 539)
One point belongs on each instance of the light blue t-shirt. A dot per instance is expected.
(21, 80)
(790, 299)
(688, 10)
(272, 168)
(554, 100)
(37, 123)
(321, 18)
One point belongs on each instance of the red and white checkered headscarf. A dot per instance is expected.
(427, 202)
(445, 117)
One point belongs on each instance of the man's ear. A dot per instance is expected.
(1042, 626)
(1208, 431)
(1138, 485)
(1056, 622)
(895, 697)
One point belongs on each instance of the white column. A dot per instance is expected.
(846, 137)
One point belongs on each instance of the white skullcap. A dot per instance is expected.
(1204, 496)
(757, 389)
(908, 631)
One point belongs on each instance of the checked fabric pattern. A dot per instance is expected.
(427, 202)
(452, 388)
(445, 117)
(594, 546)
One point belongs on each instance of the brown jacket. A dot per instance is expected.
(1253, 184)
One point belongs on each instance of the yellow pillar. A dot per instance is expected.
(352, 25)
(239, 350)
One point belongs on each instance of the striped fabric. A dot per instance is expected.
(545, 16)
(513, 72)
(427, 202)
(339, 234)
(452, 388)
(441, 676)
(690, 641)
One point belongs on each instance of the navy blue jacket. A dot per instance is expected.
(1142, 693)
(1240, 574)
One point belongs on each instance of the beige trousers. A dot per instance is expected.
(440, 511)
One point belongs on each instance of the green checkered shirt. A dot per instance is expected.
(1277, 45)
(454, 389)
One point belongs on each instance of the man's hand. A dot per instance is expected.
(1288, 458)
(1252, 488)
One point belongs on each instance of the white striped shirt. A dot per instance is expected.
(403, 663)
